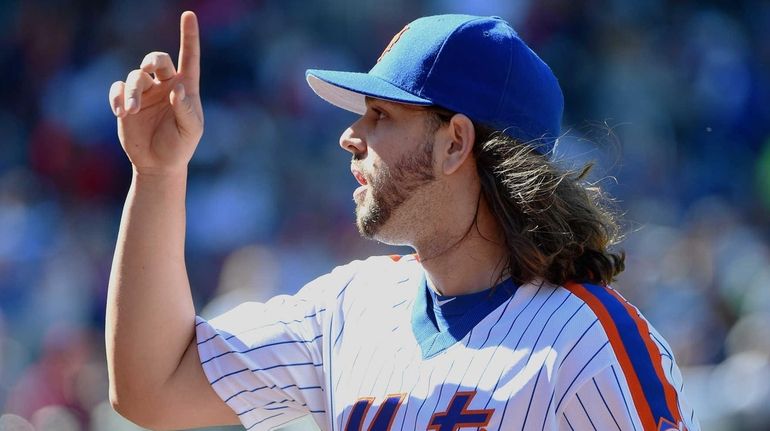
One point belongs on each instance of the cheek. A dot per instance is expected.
(378, 176)
(389, 143)
(382, 164)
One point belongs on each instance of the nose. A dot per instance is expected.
(349, 141)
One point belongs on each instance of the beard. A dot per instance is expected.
(391, 186)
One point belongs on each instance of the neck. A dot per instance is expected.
(468, 260)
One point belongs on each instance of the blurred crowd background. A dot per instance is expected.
(671, 99)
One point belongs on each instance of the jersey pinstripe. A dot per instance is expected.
(344, 350)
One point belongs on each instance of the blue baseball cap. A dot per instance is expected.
(474, 65)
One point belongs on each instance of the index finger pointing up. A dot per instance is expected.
(189, 52)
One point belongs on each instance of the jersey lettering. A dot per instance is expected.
(458, 416)
(384, 417)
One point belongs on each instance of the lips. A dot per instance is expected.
(359, 176)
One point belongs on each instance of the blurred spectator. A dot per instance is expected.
(9, 422)
(52, 380)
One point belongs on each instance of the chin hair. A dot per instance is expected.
(371, 222)
(381, 226)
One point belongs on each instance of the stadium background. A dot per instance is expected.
(670, 98)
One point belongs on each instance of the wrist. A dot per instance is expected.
(159, 173)
(159, 179)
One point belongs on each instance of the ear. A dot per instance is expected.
(459, 143)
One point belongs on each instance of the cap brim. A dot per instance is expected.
(348, 90)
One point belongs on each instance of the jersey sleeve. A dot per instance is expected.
(265, 360)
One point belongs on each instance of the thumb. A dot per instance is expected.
(184, 110)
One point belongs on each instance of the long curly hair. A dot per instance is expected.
(556, 225)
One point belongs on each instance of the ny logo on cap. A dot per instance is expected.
(393, 42)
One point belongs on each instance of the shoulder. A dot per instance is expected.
(373, 277)
(592, 327)
(617, 335)
(562, 318)
(605, 320)
(352, 278)
(625, 329)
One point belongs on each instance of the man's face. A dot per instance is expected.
(392, 147)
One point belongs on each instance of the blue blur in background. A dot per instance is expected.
(670, 99)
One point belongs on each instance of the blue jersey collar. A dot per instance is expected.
(433, 341)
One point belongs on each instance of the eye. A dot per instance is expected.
(378, 114)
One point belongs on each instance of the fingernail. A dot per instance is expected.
(179, 90)
(130, 104)
(119, 111)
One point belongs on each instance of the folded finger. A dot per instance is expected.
(160, 64)
(116, 98)
(137, 83)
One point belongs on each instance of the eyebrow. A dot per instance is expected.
(370, 101)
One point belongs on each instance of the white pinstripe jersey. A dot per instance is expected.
(352, 350)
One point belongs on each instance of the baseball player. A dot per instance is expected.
(502, 319)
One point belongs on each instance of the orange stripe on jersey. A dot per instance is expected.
(671, 395)
(397, 257)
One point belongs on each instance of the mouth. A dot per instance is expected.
(358, 194)
(359, 176)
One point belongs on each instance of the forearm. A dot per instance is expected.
(150, 313)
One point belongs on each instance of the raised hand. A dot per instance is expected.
(158, 108)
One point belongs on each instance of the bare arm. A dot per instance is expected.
(155, 376)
